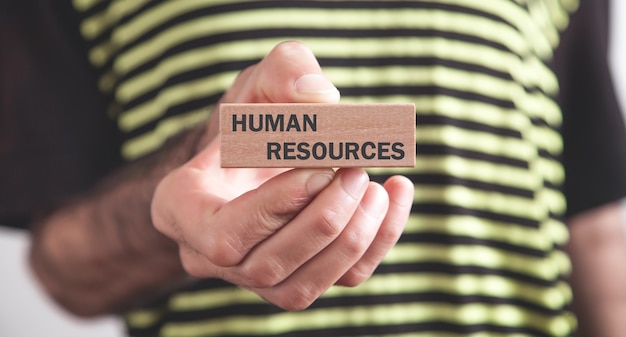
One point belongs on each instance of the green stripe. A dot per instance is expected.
(463, 285)
(559, 15)
(476, 141)
(555, 231)
(99, 22)
(393, 75)
(513, 13)
(439, 76)
(473, 169)
(83, 5)
(540, 106)
(143, 318)
(316, 19)
(546, 138)
(481, 229)
(165, 11)
(473, 255)
(504, 315)
(100, 54)
(550, 170)
(153, 109)
(165, 129)
(465, 197)
(554, 200)
(330, 47)
(570, 5)
(177, 64)
(483, 142)
(536, 37)
(474, 111)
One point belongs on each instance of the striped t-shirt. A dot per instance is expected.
(482, 251)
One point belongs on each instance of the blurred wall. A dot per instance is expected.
(25, 312)
(618, 51)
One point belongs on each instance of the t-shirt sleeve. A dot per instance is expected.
(55, 137)
(593, 128)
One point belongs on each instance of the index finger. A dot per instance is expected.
(249, 219)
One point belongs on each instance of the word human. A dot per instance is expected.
(274, 123)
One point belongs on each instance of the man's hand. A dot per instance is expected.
(286, 235)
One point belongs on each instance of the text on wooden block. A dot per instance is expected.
(317, 135)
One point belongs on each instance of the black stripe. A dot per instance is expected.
(446, 210)
(359, 92)
(460, 270)
(466, 124)
(423, 90)
(442, 150)
(256, 5)
(538, 121)
(424, 61)
(454, 240)
(296, 33)
(187, 106)
(96, 9)
(543, 153)
(259, 309)
(105, 34)
(440, 327)
(263, 309)
(150, 331)
(448, 180)
(188, 76)
(386, 330)
(222, 67)
(551, 186)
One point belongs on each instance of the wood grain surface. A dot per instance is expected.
(317, 135)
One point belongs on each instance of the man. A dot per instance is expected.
(482, 250)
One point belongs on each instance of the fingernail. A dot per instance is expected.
(317, 182)
(315, 84)
(375, 204)
(354, 181)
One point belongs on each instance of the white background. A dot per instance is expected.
(25, 312)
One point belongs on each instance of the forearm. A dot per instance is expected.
(598, 250)
(101, 254)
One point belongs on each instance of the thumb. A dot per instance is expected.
(290, 73)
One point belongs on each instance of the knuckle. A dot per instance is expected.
(191, 263)
(297, 300)
(297, 200)
(389, 234)
(354, 244)
(262, 275)
(223, 252)
(270, 218)
(274, 216)
(296, 305)
(355, 277)
(330, 224)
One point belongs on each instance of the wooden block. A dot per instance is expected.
(317, 135)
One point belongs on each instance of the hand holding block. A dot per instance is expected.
(317, 135)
